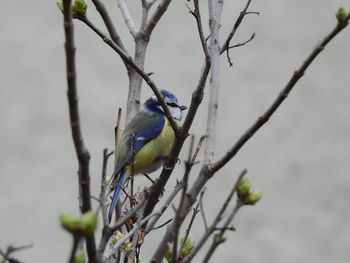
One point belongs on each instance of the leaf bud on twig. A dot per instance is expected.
(253, 198)
(243, 188)
(88, 222)
(78, 8)
(69, 222)
(341, 15)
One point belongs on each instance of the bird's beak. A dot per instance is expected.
(182, 107)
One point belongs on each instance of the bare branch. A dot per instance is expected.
(280, 98)
(80, 149)
(127, 17)
(109, 24)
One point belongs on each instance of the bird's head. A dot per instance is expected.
(152, 105)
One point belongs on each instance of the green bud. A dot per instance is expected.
(222, 239)
(341, 15)
(186, 247)
(243, 188)
(79, 257)
(88, 222)
(253, 198)
(78, 8)
(69, 222)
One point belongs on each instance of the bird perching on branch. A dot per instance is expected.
(146, 141)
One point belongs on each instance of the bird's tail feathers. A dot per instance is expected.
(116, 195)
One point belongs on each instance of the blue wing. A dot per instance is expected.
(148, 134)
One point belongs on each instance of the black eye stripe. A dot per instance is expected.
(172, 104)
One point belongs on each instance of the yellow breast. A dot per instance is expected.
(154, 150)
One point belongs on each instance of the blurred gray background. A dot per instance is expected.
(299, 159)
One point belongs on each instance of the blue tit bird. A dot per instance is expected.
(145, 142)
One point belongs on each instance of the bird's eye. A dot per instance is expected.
(172, 104)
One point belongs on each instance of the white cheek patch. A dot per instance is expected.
(176, 113)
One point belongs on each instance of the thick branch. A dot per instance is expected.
(215, 8)
(81, 151)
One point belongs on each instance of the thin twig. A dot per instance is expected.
(237, 45)
(280, 98)
(162, 225)
(82, 153)
(243, 43)
(197, 15)
(194, 157)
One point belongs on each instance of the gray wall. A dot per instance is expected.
(299, 159)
